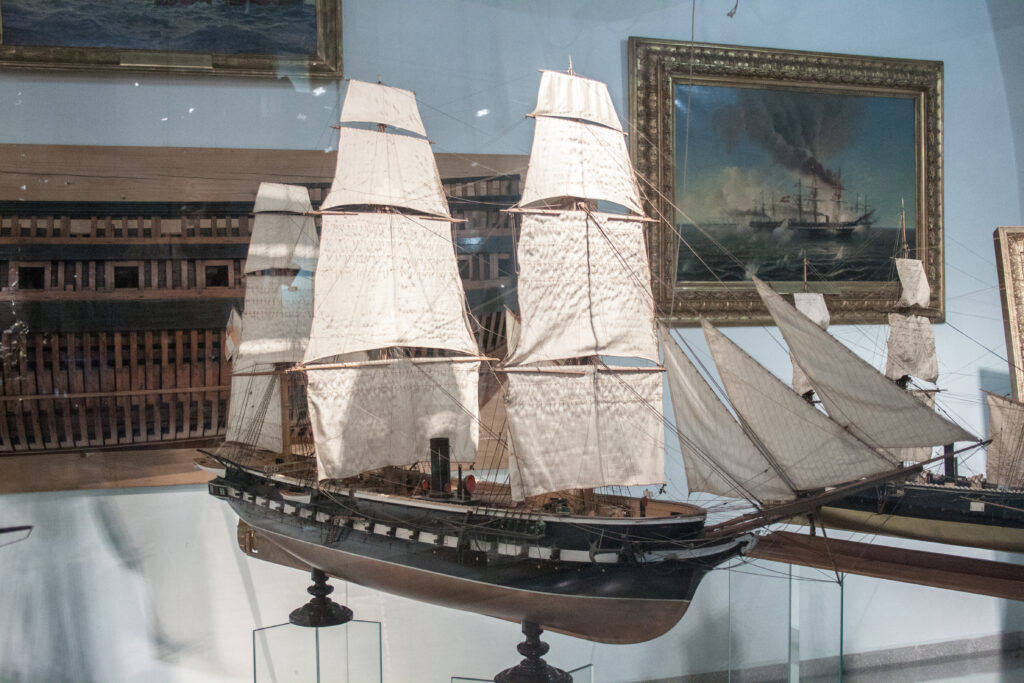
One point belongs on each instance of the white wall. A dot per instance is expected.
(150, 585)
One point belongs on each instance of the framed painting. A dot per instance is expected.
(234, 37)
(811, 171)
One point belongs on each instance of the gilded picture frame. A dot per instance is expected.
(1009, 247)
(224, 37)
(712, 118)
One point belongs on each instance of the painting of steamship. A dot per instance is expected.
(777, 177)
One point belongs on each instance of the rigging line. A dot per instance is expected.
(749, 432)
(641, 284)
(762, 448)
(683, 438)
(968, 274)
(1013, 366)
(707, 457)
(686, 149)
(466, 124)
(965, 247)
(831, 557)
(678, 234)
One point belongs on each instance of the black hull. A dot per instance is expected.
(829, 229)
(979, 518)
(608, 580)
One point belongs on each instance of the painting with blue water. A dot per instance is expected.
(257, 27)
(767, 178)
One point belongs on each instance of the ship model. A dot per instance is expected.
(980, 511)
(356, 438)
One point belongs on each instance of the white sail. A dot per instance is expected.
(282, 241)
(232, 334)
(584, 430)
(813, 451)
(922, 453)
(915, 289)
(376, 103)
(372, 416)
(857, 396)
(387, 280)
(813, 306)
(254, 417)
(278, 198)
(584, 289)
(512, 327)
(574, 97)
(581, 160)
(911, 348)
(278, 314)
(1005, 459)
(492, 447)
(710, 434)
(385, 169)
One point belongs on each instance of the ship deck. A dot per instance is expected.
(407, 482)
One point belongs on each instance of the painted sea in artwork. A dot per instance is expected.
(733, 254)
(265, 27)
(774, 175)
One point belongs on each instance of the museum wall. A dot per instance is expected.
(150, 584)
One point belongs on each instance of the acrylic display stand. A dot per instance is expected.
(349, 653)
(798, 632)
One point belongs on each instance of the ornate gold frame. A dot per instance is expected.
(326, 63)
(655, 66)
(1009, 243)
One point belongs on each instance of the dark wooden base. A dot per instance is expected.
(321, 611)
(533, 669)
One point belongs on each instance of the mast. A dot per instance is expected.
(903, 230)
(584, 292)
(388, 281)
(283, 252)
(812, 305)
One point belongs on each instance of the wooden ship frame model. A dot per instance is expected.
(114, 357)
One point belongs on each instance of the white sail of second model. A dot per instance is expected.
(857, 396)
(584, 291)
(911, 344)
(1005, 459)
(811, 304)
(277, 312)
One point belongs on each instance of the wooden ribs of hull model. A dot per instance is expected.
(114, 332)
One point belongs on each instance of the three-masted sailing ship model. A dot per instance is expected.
(353, 399)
